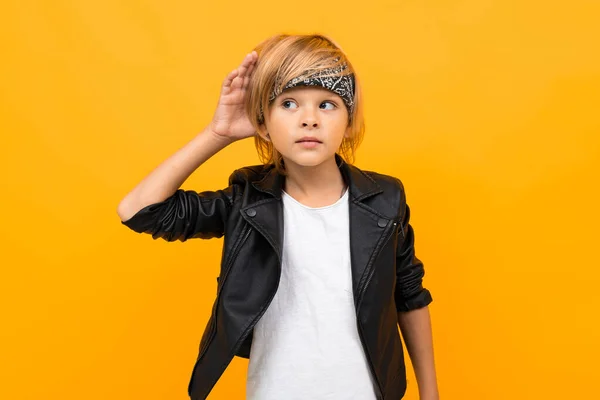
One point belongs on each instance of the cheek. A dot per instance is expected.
(339, 125)
(279, 128)
(278, 117)
(279, 133)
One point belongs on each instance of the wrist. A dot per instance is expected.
(218, 138)
(429, 394)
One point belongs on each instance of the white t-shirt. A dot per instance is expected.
(306, 345)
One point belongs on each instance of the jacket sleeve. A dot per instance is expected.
(409, 292)
(187, 214)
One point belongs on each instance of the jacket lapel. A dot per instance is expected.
(266, 214)
(366, 227)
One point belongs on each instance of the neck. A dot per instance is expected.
(321, 183)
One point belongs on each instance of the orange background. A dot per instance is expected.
(487, 110)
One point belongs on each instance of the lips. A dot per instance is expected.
(309, 139)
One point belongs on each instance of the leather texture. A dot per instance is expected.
(386, 274)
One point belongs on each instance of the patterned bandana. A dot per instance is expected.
(343, 85)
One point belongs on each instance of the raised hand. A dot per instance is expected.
(230, 120)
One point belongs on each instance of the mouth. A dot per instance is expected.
(308, 140)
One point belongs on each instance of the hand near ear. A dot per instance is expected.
(230, 119)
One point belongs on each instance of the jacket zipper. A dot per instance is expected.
(234, 254)
(394, 223)
(362, 291)
(262, 311)
(253, 323)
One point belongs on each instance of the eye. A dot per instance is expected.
(332, 104)
(290, 104)
(287, 103)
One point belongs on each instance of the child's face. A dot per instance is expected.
(310, 112)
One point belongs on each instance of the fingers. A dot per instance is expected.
(248, 62)
(248, 75)
(230, 77)
(243, 72)
(253, 60)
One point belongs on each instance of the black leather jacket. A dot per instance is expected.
(386, 275)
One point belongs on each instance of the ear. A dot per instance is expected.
(263, 133)
(348, 132)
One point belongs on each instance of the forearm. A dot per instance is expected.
(416, 330)
(165, 179)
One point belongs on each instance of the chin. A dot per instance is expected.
(308, 159)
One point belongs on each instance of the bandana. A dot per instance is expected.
(343, 85)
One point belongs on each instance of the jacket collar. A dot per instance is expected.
(360, 185)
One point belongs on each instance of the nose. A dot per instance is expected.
(309, 119)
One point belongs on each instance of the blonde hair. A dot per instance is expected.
(284, 57)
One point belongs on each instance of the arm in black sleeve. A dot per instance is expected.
(187, 214)
(409, 293)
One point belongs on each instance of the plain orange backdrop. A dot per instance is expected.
(487, 110)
